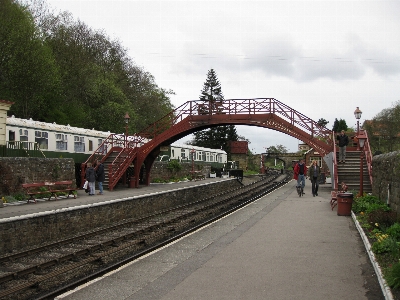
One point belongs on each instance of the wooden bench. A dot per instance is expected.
(49, 188)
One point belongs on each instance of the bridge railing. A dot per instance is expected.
(368, 156)
(239, 106)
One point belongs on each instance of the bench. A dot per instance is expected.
(49, 188)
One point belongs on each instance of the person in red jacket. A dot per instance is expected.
(300, 171)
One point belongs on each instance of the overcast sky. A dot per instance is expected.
(322, 58)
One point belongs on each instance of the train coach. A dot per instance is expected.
(51, 140)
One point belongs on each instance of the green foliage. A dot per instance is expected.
(362, 204)
(322, 122)
(174, 165)
(216, 137)
(394, 231)
(57, 69)
(339, 125)
(385, 244)
(393, 276)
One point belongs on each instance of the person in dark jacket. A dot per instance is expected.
(343, 142)
(91, 178)
(100, 176)
(300, 172)
(313, 173)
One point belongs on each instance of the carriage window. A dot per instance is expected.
(11, 136)
(198, 154)
(23, 137)
(79, 144)
(208, 156)
(183, 153)
(61, 142)
(90, 145)
(101, 149)
(173, 153)
(42, 139)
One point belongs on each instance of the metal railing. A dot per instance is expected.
(21, 149)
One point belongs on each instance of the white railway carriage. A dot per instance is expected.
(199, 154)
(53, 140)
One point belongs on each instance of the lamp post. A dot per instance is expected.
(357, 114)
(126, 119)
(361, 139)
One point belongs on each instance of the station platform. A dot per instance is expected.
(279, 247)
(23, 208)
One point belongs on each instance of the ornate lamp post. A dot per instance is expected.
(357, 114)
(361, 139)
(126, 119)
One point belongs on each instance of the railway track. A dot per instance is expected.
(48, 270)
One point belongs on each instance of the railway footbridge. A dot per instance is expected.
(140, 150)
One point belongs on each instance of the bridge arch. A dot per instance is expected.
(197, 115)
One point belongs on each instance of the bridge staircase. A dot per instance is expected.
(349, 172)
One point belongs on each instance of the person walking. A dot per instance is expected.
(91, 178)
(343, 142)
(300, 171)
(313, 173)
(100, 176)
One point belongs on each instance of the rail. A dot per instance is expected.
(21, 149)
(335, 176)
(368, 156)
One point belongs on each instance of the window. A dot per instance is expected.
(11, 136)
(61, 141)
(23, 137)
(79, 144)
(198, 154)
(103, 148)
(183, 153)
(208, 156)
(42, 139)
(90, 145)
(173, 153)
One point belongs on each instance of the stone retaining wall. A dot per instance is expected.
(18, 170)
(385, 178)
(35, 229)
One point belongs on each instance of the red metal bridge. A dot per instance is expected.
(120, 152)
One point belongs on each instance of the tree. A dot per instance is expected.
(384, 129)
(28, 73)
(322, 122)
(339, 125)
(216, 137)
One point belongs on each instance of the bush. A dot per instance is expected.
(366, 203)
(394, 231)
(393, 276)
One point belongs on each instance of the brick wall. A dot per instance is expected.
(18, 170)
(28, 231)
(385, 179)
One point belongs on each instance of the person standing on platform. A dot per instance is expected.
(343, 142)
(313, 173)
(300, 171)
(91, 178)
(100, 176)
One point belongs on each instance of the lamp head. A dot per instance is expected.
(357, 113)
(126, 118)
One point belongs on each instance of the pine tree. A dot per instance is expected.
(216, 137)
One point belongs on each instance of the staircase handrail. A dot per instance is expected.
(368, 156)
(335, 177)
(119, 165)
